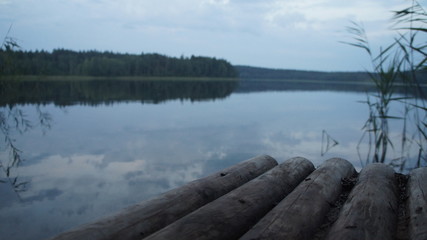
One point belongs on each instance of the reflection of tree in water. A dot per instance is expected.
(14, 93)
(13, 120)
(108, 91)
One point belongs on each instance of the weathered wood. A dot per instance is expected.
(370, 211)
(232, 215)
(147, 217)
(417, 204)
(300, 214)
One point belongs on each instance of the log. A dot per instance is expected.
(299, 215)
(417, 204)
(232, 215)
(370, 211)
(147, 217)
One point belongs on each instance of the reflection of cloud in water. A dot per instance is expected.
(136, 166)
(49, 194)
(98, 160)
(78, 189)
(287, 145)
(81, 172)
(307, 144)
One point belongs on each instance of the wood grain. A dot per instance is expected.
(370, 212)
(417, 204)
(232, 215)
(300, 214)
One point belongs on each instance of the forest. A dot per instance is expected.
(61, 62)
(247, 72)
(250, 73)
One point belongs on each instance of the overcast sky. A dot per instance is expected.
(289, 34)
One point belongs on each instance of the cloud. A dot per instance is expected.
(4, 2)
(319, 15)
(287, 33)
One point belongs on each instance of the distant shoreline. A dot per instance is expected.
(266, 74)
(244, 74)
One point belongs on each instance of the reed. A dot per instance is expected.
(394, 65)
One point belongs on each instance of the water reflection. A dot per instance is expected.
(327, 143)
(249, 85)
(264, 85)
(107, 91)
(97, 158)
(406, 137)
(14, 121)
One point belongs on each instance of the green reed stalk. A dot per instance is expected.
(398, 62)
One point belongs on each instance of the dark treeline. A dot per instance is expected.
(107, 91)
(246, 72)
(95, 63)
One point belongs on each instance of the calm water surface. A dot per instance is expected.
(85, 160)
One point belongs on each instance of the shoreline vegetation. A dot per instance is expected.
(93, 90)
(338, 77)
(62, 62)
(66, 65)
(255, 74)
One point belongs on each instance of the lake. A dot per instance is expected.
(86, 149)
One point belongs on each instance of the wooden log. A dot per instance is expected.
(300, 214)
(370, 211)
(147, 217)
(232, 215)
(417, 204)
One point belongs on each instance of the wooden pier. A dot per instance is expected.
(260, 199)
